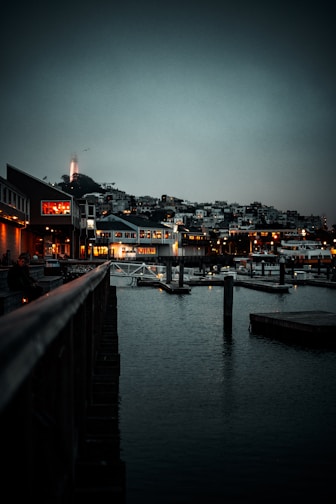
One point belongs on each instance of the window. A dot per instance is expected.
(90, 223)
(146, 250)
(55, 207)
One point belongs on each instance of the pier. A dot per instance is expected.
(179, 279)
(59, 387)
(313, 327)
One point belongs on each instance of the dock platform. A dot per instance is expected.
(266, 286)
(307, 326)
(171, 288)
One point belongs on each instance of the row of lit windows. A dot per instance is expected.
(146, 250)
(156, 235)
(126, 234)
(194, 237)
(117, 234)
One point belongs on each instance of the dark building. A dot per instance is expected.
(14, 212)
(53, 224)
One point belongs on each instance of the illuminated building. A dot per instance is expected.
(129, 237)
(53, 228)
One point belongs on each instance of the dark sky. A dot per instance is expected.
(203, 100)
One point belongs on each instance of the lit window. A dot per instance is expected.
(90, 223)
(55, 207)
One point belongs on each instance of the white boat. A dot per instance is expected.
(263, 263)
(305, 252)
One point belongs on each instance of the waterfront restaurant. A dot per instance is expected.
(53, 227)
(134, 238)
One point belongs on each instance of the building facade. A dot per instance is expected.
(127, 237)
(14, 216)
(52, 228)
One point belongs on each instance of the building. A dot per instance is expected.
(14, 216)
(52, 228)
(87, 228)
(130, 237)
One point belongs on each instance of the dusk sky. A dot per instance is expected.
(202, 100)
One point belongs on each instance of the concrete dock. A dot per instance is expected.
(307, 326)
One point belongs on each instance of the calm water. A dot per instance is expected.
(211, 420)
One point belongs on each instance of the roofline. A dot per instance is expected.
(39, 180)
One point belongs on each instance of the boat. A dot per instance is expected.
(262, 263)
(305, 252)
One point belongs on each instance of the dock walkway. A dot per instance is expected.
(307, 326)
(171, 288)
(263, 285)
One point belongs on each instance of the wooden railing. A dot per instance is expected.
(48, 352)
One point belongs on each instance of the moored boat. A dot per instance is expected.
(305, 252)
(262, 263)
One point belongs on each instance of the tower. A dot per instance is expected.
(73, 167)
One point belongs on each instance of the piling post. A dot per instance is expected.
(181, 272)
(168, 271)
(228, 304)
(282, 270)
(263, 268)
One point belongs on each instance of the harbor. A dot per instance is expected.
(206, 417)
(180, 280)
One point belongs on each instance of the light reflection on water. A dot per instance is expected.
(206, 418)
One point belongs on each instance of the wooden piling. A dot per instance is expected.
(228, 304)
(181, 272)
(282, 272)
(168, 271)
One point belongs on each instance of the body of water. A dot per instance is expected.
(210, 419)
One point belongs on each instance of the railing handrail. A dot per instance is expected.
(27, 332)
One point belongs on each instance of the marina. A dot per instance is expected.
(155, 275)
(210, 418)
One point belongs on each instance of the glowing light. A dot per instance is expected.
(73, 167)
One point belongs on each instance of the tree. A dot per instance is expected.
(81, 184)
